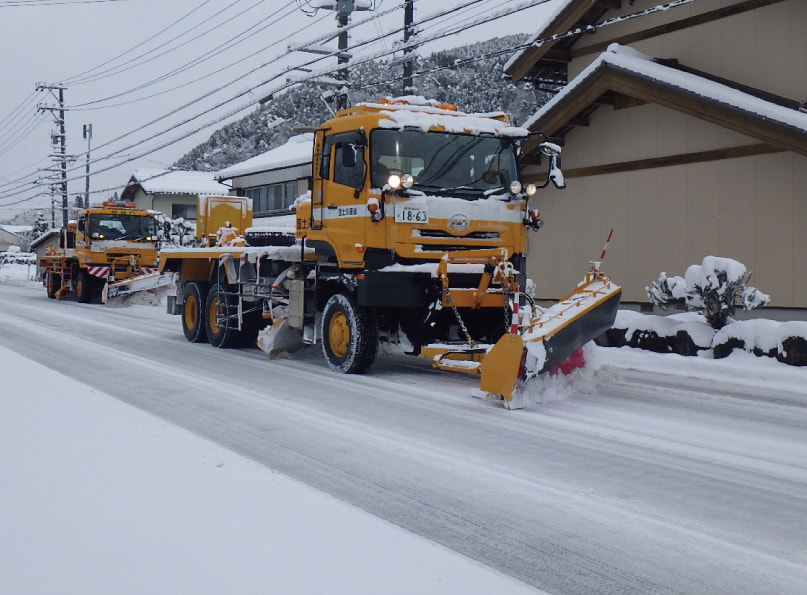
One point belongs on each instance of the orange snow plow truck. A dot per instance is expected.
(107, 243)
(413, 236)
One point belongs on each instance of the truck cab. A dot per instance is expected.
(400, 183)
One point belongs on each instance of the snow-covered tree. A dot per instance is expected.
(716, 288)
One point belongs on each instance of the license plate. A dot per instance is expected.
(407, 214)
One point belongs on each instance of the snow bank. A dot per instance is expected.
(690, 334)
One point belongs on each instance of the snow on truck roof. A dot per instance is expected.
(427, 114)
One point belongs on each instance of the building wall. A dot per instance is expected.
(752, 209)
(764, 48)
(8, 239)
(165, 203)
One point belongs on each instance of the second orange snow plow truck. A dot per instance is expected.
(107, 243)
(414, 236)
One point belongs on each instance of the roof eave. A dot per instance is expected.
(565, 20)
(608, 77)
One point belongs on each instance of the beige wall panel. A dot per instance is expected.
(796, 62)
(670, 132)
(736, 222)
(612, 32)
(643, 132)
(703, 190)
(799, 270)
(642, 222)
(669, 243)
(764, 48)
(737, 51)
(577, 224)
(753, 210)
(772, 49)
(640, 125)
(774, 225)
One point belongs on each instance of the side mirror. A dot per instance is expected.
(555, 175)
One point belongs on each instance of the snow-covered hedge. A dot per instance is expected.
(690, 334)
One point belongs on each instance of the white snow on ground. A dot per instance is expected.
(99, 497)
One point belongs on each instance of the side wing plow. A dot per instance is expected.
(551, 335)
(153, 282)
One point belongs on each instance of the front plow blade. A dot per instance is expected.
(551, 337)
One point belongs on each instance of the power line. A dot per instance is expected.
(17, 3)
(133, 62)
(77, 77)
(196, 61)
(375, 56)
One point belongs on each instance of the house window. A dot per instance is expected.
(272, 197)
(183, 211)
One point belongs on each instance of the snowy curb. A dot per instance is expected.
(689, 334)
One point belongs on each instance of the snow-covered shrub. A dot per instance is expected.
(716, 288)
(786, 341)
(684, 334)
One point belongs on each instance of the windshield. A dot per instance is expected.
(444, 163)
(122, 227)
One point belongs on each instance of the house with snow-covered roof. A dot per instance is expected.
(683, 127)
(173, 193)
(9, 236)
(274, 179)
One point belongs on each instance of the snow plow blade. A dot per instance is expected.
(152, 282)
(551, 336)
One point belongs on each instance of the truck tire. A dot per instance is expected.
(84, 287)
(193, 309)
(219, 302)
(349, 335)
(52, 284)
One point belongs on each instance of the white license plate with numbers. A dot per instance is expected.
(411, 214)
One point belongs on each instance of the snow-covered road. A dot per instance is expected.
(659, 474)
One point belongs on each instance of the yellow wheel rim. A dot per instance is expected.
(80, 286)
(339, 334)
(211, 315)
(190, 312)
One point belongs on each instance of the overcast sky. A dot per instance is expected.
(118, 61)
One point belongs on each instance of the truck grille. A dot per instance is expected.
(474, 235)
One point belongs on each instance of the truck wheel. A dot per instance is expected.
(219, 303)
(193, 307)
(84, 287)
(349, 335)
(53, 283)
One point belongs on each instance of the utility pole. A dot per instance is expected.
(60, 139)
(52, 210)
(87, 131)
(343, 8)
(409, 17)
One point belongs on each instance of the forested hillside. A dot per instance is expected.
(453, 76)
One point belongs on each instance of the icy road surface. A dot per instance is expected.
(664, 477)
